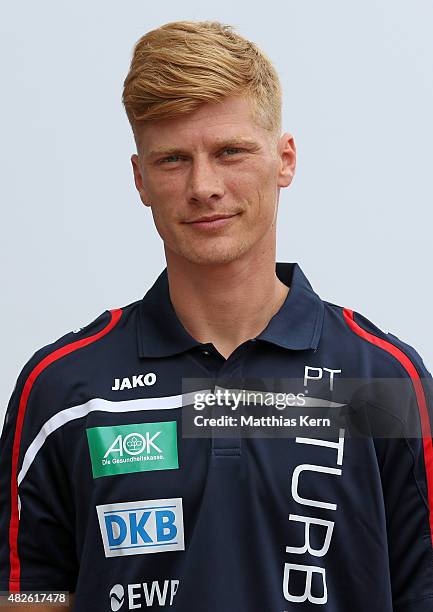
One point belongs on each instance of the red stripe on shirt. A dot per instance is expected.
(420, 397)
(14, 579)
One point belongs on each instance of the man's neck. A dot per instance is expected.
(226, 304)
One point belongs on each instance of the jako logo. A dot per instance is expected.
(141, 527)
(150, 593)
(117, 597)
(140, 380)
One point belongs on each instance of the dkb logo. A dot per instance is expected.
(137, 528)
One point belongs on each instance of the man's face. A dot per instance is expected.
(214, 162)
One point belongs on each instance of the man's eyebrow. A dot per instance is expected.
(235, 140)
(219, 143)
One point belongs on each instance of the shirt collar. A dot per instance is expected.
(297, 325)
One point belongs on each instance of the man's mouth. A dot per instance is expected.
(212, 221)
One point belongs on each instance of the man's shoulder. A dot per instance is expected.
(361, 336)
(74, 339)
(52, 363)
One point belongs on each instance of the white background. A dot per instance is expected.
(358, 98)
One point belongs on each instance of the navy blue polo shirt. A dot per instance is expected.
(101, 494)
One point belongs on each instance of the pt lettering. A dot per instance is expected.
(312, 373)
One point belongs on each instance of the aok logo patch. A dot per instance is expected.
(122, 449)
(140, 527)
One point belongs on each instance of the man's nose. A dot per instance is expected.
(205, 181)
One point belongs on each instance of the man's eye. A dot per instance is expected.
(175, 158)
(169, 158)
(233, 149)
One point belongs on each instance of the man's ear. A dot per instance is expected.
(287, 156)
(138, 179)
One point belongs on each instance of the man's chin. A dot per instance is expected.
(213, 257)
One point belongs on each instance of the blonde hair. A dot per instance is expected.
(183, 64)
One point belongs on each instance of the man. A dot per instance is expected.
(102, 495)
